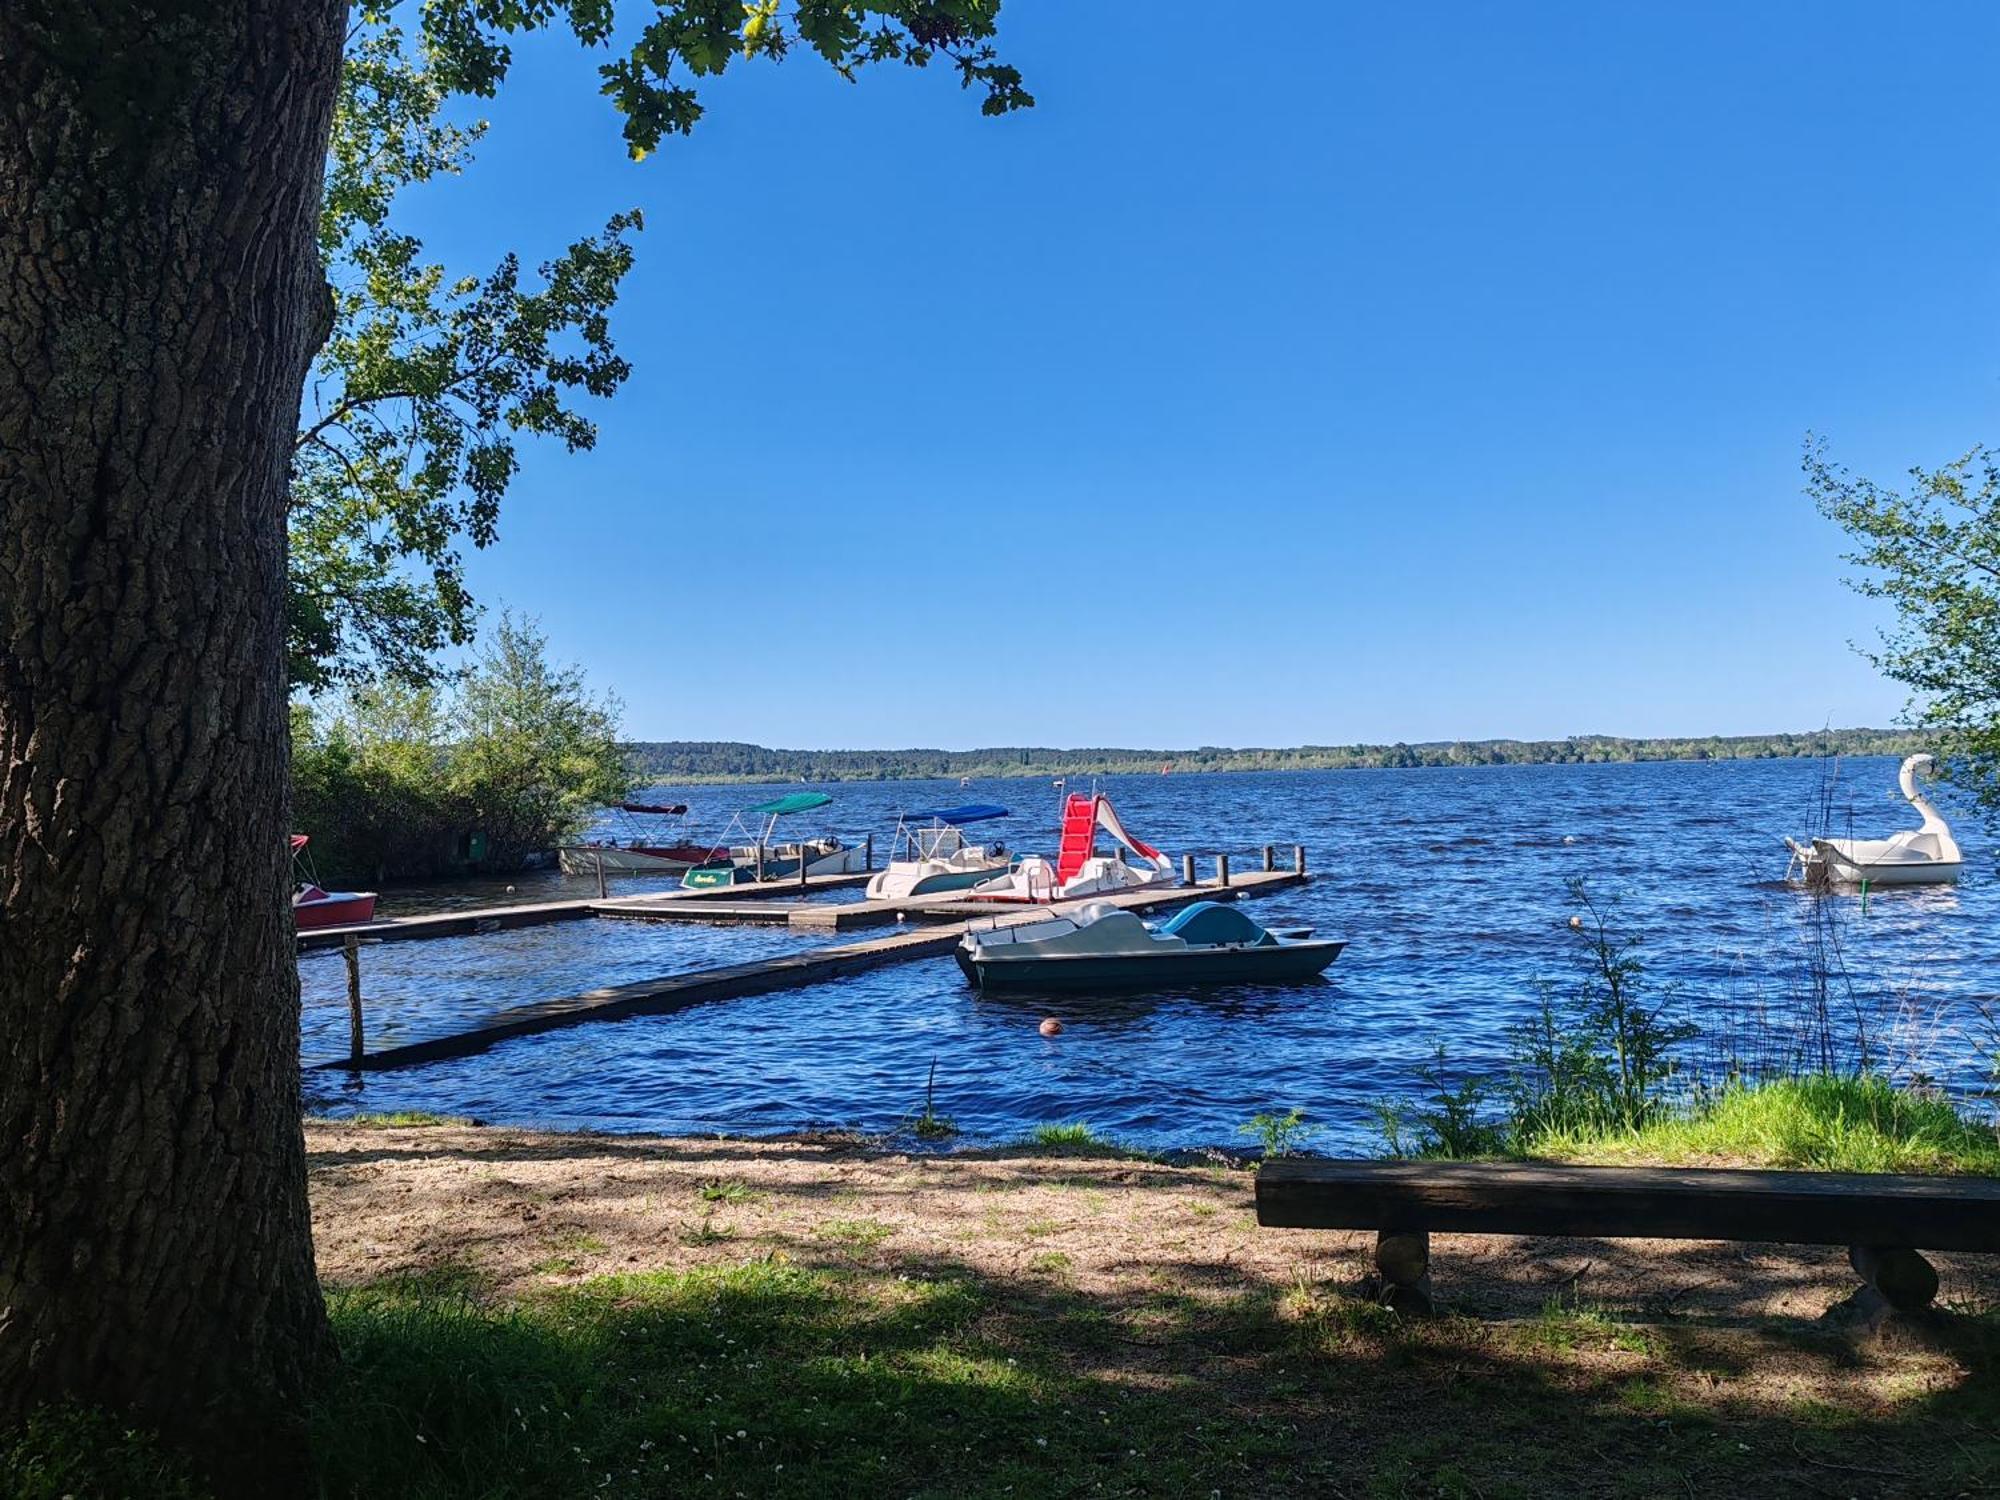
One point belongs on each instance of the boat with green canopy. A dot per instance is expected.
(761, 857)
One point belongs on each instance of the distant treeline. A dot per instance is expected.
(723, 760)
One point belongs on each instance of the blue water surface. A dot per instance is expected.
(1452, 887)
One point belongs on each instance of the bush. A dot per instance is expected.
(393, 781)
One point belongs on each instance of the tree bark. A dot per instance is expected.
(160, 295)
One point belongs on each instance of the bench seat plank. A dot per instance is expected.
(1699, 1203)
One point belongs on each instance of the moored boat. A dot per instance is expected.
(315, 906)
(1078, 869)
(1927, 855)
(759, 858)
(1101, 947)
(931, 857)
(663, 851)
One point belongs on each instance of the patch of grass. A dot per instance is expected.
(399, 1119)
(1821, 1123)
(1050, 1263)
(707, 1232)
(728, 1190)
(1565, 1326)
(853, 1234)
(774, 1381)
(64, 1453)
(581, 1241)
(556, 1265)
(1075, 1136)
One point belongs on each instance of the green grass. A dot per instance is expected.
(400, 1119)
(728, 1190)
(1819, 1123)
(770, 1380)
(1076, 1134)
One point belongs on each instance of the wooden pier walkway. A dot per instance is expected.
(536, 913)
(791, 971)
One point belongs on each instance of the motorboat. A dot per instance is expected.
(1927, 855)
(634, 848)
(313, 905)
(760, 857)
(931, 857)
(1078, 869)
(1100, 946)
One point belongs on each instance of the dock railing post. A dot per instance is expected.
(803, 862)
(1187, 869)
(1270, 858)
(602, 890)
(352, 948)
(1222, 870)
(760, 861)
(1298, 859)
(868, 855)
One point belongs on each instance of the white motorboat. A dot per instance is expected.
(1099, 946)
(637, 847)
(932, 858)
(1078, 869)
(1928, 855)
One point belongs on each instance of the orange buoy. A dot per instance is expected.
(1051, 1027)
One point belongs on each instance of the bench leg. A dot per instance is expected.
(1403, 1256)
(1905, 1280)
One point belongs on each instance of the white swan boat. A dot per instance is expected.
(932, 858)
(1928, 855)
(1078, 869)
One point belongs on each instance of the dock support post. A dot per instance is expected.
(760, 861)
(1905, 1280)
(1270, 858)
(1222, 871)
(804, 864)
(868, 855)
(602, 892)
(1403, 1257)
(1298, 859)
(352, 949)
(1187, 869)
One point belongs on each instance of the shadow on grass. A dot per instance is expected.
(771, 1378)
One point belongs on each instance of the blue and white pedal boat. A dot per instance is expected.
(1099, 946)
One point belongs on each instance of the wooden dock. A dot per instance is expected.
(536, 913)
(675, 992)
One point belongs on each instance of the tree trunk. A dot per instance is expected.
(160, 297)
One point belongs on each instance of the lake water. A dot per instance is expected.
(1452, 887)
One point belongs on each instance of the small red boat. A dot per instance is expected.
(315, 906)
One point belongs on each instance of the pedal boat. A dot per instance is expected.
(1100, 947)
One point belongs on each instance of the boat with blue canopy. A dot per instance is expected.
(932, 856)
(761, 857)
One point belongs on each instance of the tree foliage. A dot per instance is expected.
(425, 384)
(394, 778)
(1933, 552)
(429, 379)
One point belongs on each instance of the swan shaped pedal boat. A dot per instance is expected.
(1917, 856)
(1100, 946)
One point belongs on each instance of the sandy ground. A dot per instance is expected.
(523, 1209)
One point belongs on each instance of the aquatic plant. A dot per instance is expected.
(1279, 1134)
(1078, 1133)
(930, 1125)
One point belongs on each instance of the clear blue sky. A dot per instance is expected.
(1296, 374)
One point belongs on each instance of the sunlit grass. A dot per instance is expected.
(1819, 1123)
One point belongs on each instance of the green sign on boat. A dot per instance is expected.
(795, 802)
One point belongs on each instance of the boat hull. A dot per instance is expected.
(335, 909)
(893, 884)
(1845, 870)
(1284, 963)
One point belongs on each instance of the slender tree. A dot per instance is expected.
(161, 298)
(1932, 550)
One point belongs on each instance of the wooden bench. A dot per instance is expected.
(1883, 1220)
